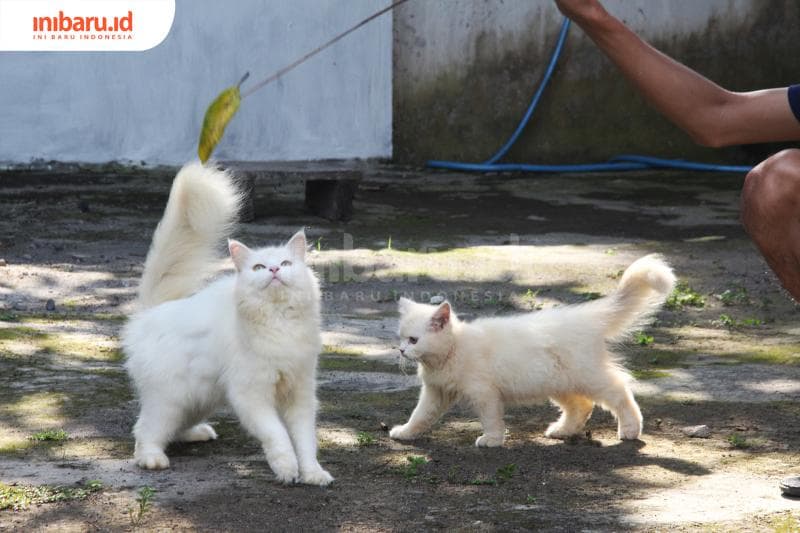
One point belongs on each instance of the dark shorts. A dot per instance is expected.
(794, 100)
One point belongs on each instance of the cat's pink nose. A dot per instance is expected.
(274, 269)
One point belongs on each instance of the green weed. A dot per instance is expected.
(20, 497)
(684, 296)
(364, 438)
(145, 502)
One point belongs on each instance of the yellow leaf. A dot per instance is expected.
(219, 113)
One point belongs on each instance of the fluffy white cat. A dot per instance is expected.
(561, 353)
(250, 339)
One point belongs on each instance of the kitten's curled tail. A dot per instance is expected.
(202, 209)
(644, 287)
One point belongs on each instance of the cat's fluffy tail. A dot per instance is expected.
(644, 287)
(202, 208)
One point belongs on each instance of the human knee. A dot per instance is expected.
(771, 190)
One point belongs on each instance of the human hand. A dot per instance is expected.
(581, 11)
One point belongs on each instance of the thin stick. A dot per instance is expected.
(319, 49)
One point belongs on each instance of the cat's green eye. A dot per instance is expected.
(413, 340)
(286, 264)
(259, 266)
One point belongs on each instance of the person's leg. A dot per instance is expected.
(770, 212)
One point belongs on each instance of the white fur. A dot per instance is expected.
(250, 339)
(560, 353)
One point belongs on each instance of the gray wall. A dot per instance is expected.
(459, 93)
(97, 107)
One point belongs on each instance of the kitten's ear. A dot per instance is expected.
(404, 304)
(239, 253)
(441, 317)
(297, 245)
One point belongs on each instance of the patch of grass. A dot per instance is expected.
(364, 438)
(411, 470)
(9, 317)
(50, 435)
(736, 296)
(529, 298)
(786, 524)
(616, 275)
(505, 473)
(15, 445)
(738, 441)
(645, 374)
(654, 358)
(530, 499)
(589, 296)
(785, 354)
(21, 333)
(731, 323)
(643, 339)
(80, 348)
(684, 296)
(21, 497)
(501, 475)
(356, 364)
(332, 349)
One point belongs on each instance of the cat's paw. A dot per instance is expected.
(630, 431)
(557, 431)
(401, 433)
(319, 477)
(285, 468)
(199, 433)
(155, 460)
(488, 441)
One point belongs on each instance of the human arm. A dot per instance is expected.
(710, 114)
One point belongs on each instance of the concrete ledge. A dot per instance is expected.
(330, 185)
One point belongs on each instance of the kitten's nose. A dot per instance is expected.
(402, 351)
(274, 269)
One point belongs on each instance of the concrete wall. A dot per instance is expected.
(97, 107)
(465, 71)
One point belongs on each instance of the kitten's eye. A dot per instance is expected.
(286, 264)
(259, 266)
(413, 340)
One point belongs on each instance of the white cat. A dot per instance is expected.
(250, 339)
(561, 353)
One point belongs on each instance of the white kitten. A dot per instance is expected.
(250, 339)
(560, 353)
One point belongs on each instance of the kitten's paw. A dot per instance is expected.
(487, 441)
(557, 431)
(155, 460)
(630, 431)
(199, 433)
(285, 468)
(318, 477)
(401, 433)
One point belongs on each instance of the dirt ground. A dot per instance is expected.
(724, 354)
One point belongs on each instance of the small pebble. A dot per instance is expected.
(3, 262)
(50, 305)
(436, 300)
(697, 432)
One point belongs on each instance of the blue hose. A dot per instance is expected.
(618, 163)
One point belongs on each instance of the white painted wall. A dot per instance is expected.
(98, 107)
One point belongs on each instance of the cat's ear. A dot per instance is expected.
(404, 304)
(239, 253)
(297, 245)
(441, 317)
